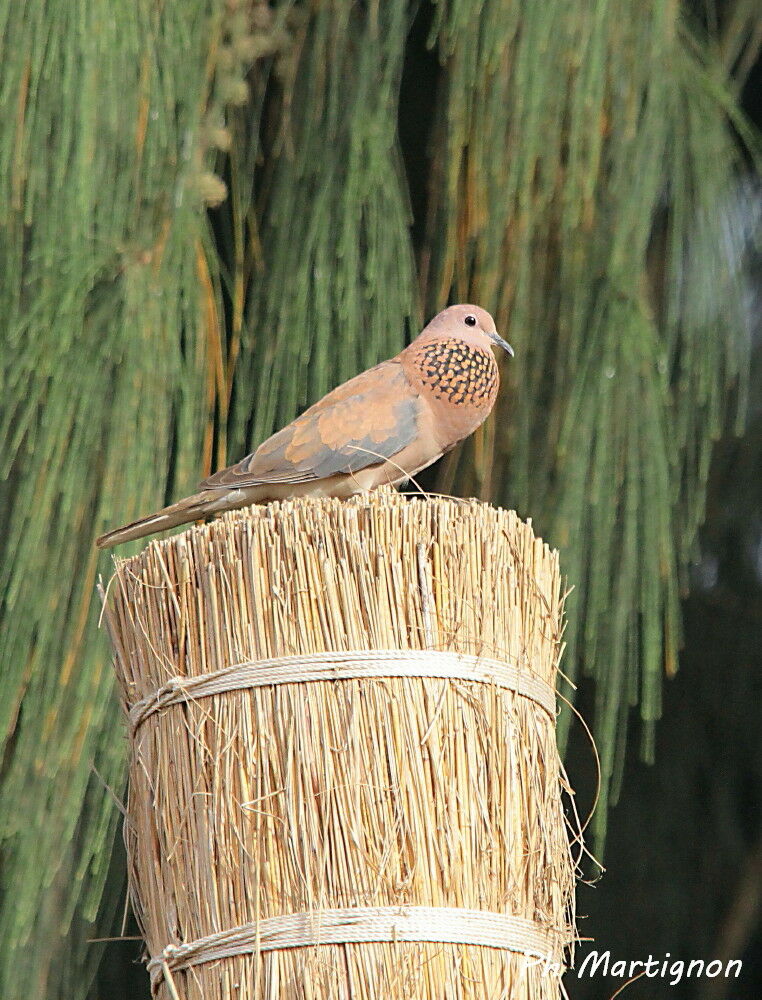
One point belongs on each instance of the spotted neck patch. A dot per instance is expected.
(457, 372)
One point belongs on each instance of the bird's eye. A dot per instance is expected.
(470, 320)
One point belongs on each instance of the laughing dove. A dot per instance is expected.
(380, 427)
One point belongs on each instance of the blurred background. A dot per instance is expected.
(213, 211)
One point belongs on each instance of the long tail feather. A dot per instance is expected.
(189, 509)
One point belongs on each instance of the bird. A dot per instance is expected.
(380, 427)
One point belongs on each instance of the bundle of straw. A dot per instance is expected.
(348, 792)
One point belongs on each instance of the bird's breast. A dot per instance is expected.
(458, 374)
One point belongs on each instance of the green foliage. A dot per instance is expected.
(584, 161)
(580, 161)
(336, 288)
(107, 351)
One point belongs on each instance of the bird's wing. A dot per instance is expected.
(363, 422)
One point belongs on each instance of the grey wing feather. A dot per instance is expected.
(364, 422)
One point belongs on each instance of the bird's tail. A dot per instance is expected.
(189, 509)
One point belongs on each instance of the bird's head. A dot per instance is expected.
(466, 322)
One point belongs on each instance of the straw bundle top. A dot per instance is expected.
(342, 717)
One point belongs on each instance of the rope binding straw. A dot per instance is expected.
(365, 924)
(357, 924)
(343, 666)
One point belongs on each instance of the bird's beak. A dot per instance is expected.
(502, 343)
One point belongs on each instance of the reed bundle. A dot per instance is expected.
(390, 791)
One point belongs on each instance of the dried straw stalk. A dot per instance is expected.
(361, 792)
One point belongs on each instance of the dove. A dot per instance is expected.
(381, 427)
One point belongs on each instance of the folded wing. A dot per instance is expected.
(363, 422)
